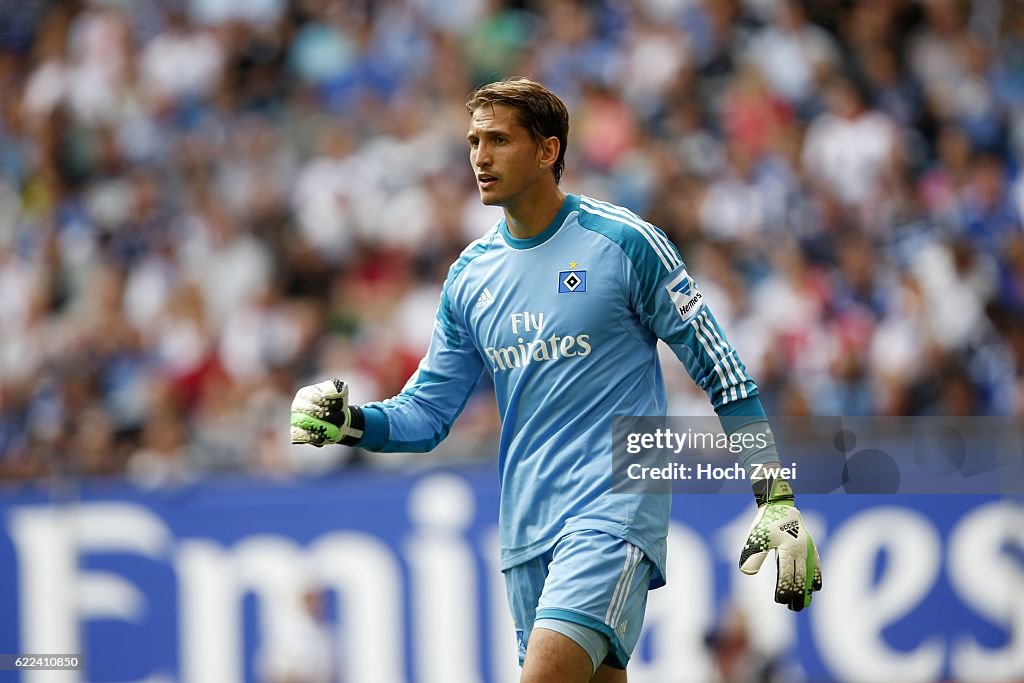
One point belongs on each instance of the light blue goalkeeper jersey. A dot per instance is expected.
(566, 324)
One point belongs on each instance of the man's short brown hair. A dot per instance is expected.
(539, 111)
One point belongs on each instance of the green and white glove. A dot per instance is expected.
(779, 526)
(321, 414)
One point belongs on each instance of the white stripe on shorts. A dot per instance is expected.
(618, 584)
(625, 593)
(633, 557)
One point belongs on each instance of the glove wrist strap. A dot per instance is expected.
(354, 427)
(771, 489)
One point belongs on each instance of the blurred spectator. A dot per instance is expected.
(164, 458)
(752, 115)
(851, 152)
(298, 647)
(735, 659)
(936, 52)
(794, 53)
(181, 63)
(988, 215)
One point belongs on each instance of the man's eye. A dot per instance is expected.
(499, 140)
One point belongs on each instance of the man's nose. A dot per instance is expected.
(483, 156)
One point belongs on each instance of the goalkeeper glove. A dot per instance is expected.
(779, 526)
(321, 414)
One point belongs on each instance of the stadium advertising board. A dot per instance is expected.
(211, 583)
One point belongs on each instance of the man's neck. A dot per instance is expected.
(529, 217)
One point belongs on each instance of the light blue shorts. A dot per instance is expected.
(588, 578)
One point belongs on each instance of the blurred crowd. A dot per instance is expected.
(205, 204)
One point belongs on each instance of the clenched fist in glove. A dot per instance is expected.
(779, 526)
(321, 414)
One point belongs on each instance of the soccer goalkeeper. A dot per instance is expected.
(562, 303)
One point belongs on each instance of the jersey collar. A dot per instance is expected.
(569, 204)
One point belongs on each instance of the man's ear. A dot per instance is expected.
(548, 151)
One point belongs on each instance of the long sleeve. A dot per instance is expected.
(419, 417)
(673, 308)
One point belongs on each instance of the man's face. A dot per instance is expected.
(504, 156)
